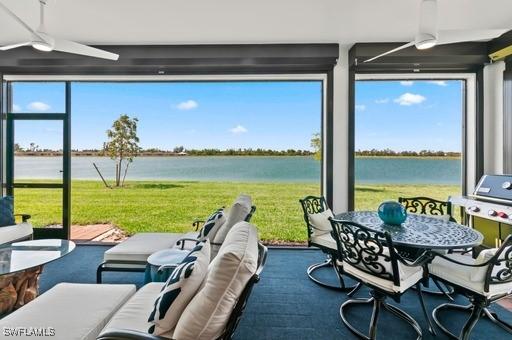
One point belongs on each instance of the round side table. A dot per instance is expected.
(171, 257)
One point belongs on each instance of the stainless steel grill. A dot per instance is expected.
(491, 200)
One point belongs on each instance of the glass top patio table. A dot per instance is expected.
(25, 255)
(419, 231)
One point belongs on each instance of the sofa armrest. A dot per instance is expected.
(127, 334)
(24, 217)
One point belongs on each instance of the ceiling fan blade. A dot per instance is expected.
(10, 47)
(455, 36)
(77, 48)
(391, 51)
(21, 22)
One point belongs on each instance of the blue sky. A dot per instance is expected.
(409, 115)
(275, 115)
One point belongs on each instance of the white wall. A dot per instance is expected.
(340, 130)
(493, 118)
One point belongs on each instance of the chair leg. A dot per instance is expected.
(495, 319)
(99, 272)
(424, 308)
(329, 262)
(355, 290)
(406, 317)
(375, 318)
(448, 306)
(473, 319)
(378, 302)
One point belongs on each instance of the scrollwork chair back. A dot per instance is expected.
(427, 206)
(369, 251)
(500, 265)
(312, 205)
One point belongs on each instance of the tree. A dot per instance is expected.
(122, 145)
(316, 144)
(178, 149)
(34, 147)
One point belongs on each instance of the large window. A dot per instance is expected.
(408, 140)
(201, 144)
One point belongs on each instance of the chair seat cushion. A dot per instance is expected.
(463, 276)
(15, 232)
(179, 289)
(207, 314)
(133, 315)
(75, 311)
(409, 276)
(139, 246)
(324, 240)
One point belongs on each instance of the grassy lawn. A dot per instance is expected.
(171, 206)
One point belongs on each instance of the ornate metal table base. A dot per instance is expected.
(330, 263)
(476, 313)
(18, 289)
(378, 302)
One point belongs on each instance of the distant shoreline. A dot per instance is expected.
(82, 154)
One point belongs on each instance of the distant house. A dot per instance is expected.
(182, 153)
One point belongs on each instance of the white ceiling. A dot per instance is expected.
(244, 21)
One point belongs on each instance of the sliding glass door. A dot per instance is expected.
(38, 154)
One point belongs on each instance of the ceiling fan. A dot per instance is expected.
(43, 42)
(429, 36)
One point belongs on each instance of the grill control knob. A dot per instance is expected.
(474, 209)
(502, 215)
(492, 213)
(507, 185)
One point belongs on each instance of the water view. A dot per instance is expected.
(252, 169)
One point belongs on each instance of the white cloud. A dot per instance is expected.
(38, 106)
(406, 83)
(438, 82)
(408, 99)
(360, 107)
(382, 101)
(239, 129)
(187, 105)
(16, 108)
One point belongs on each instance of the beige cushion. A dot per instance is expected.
(75, 311)
(465, 276)
(134, 314)
(325, 240)
(207, 314)
(15, 232)
(139, 246)
(409, 276)
(179, 289)
(238, 212)
(320, 222)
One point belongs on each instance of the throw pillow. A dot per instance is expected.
(212, 225)
(320, 222)
(179, 289)
(7, 211)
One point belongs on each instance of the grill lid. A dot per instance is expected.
(496, 188)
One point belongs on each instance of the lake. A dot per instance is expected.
(240, 168)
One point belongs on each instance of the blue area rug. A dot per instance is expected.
(285, 304)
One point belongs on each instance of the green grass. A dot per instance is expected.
(171, 206)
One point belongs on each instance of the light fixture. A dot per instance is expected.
(42, 46)
(425, 41)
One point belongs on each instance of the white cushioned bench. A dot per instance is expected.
(132, 254)
(74, 311)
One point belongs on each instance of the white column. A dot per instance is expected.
(493, 118)
(340, 130)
